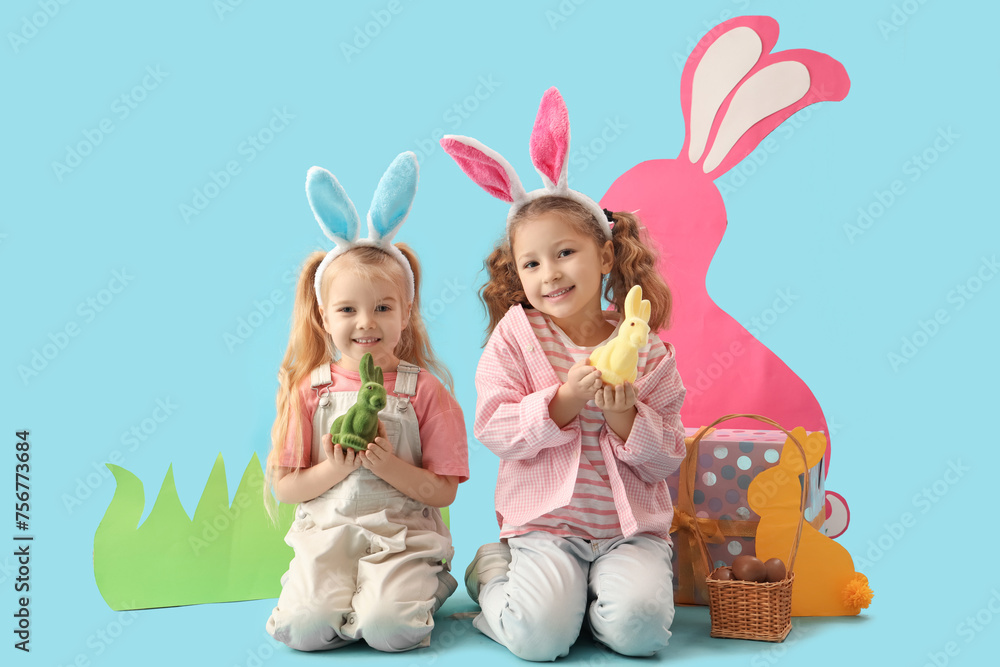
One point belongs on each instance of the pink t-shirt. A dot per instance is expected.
(444, 450)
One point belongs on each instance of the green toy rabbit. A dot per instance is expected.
(359, 425)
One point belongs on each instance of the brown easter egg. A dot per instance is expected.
(775, 569)
(724, 574)
(749, 568)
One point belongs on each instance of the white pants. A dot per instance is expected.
(625, 587)
(379, 578)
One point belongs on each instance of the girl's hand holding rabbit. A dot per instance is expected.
(582, 381)
(380, 457)
(618, 405)
(296, 485)
(617, 399)
(341, 460)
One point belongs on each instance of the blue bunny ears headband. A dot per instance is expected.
(339, 219)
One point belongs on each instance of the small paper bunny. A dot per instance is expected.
(619, 357)
(826, 583)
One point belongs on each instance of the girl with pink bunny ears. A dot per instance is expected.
(583, 507)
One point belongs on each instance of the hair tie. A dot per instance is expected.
(549, 149)
(339, 220)
(610, 215)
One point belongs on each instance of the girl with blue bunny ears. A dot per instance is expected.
(371, 551)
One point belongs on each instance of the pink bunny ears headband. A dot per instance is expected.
(549, 153)
(339, 220)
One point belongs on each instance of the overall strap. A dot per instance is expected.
(321, 376)
(406, 384)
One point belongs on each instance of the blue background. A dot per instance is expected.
(897, 428)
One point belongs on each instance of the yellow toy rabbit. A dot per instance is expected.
(617, 360)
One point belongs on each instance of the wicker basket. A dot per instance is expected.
(748, 609)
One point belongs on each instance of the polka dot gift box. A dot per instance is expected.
(728, 459)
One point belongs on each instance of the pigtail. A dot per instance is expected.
(635, 264)
(308, 347)
(503, 289)
(414, 344)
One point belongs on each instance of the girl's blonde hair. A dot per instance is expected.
(634, 262)
(310, 346)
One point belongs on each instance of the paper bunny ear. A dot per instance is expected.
(333, 209)
(550, 139)
(487, 168)
(734, 91)
(393, 198)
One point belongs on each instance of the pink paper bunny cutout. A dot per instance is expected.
(734, 92)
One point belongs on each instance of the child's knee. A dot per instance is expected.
(537, 632)
(397, 627)
(639, 626)
(529, 645)
(304, 631)
(638, 637)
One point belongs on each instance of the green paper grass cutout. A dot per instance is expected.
(228, 552)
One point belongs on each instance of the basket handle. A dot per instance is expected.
(688, 484)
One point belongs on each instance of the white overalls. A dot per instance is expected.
(370, 562)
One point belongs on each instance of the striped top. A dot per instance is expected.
(591, 512)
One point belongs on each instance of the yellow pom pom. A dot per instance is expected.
(857, 593)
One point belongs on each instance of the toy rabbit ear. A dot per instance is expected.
(645, 310)
(487, 168)
(393, 197)
(333, 209)
(633, 301)
(378, 375)
(365, 368)
(550, 139)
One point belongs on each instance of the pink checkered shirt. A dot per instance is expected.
(539, 461)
